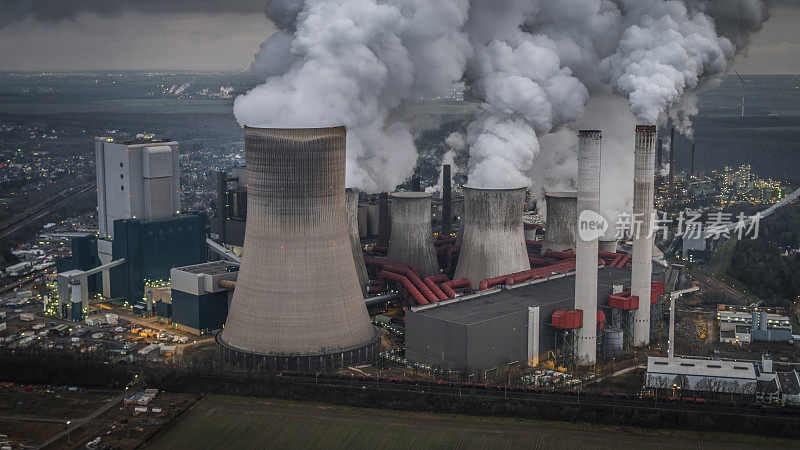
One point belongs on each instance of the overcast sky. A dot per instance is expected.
(224, 34)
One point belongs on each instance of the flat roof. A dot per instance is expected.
(790, 385)
(478, 309)
(658, 365)
(211, 268)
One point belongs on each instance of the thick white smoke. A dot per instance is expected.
(533, 65)
(353, 63)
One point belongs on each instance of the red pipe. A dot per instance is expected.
(537, 261)
(623, 262)
(449, 287)
(444, 241)
(509, 279)
(536, 244)
(407, 285)
(381, 262)
(559, 255)
(418, 283)
(450, 251)
(431, 283)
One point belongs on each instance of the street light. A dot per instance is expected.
(68, 441)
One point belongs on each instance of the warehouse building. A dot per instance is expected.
(701, 375)
(497, 327)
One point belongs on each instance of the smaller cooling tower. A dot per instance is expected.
(609, 246)
(561, 221)
(412, 237)
(493, 240)
(355, 239)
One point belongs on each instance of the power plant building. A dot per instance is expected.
(199, 301)
(499, 326)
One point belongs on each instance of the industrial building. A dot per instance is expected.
(744, 325)
(500, 326)
(700, 374)
(137, 179)
(200, 296)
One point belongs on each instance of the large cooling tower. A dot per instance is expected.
(642, 265)
(297, 303)
(493, 240)
(587, 237)
(412, 238)
(355, 239)
(561, 221)
(608, 245)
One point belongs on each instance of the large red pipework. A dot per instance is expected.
(559, 255)
(537, 261)
(418, 283)
(431, 283)
(536, 244)
(512, 278)
(381, 262)
(444, 241)
(623, 262)
(450, 251)
(449, 287)
(407, 285)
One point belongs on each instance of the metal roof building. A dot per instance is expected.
(497, 327)
(701, 374)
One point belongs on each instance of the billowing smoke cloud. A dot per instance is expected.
(355, 63)
(531, 64)
(454, 142)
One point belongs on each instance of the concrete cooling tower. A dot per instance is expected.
(608, 245)
(355, 239)
(642, 265)
(493, 240)
(561, 221)
(412, 237)
(297, 303)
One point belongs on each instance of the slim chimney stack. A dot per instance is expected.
(447, 201)
(672, 162)
(641, 274)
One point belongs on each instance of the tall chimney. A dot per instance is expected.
(641, 275)
(447, 201)
(659, 154)
(297, 304)
(672, 162)
(561, 221)
(587, 238)
(222, 203)
(384, 225)
(692, 172)
(355, 238)
(416, 183)
(493, 239)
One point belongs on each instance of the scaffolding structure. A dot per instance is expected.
(623, 319)
(563, 345)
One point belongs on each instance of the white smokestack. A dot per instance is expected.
(587, 235)
(641, 276)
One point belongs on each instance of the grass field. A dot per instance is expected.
(236, 422)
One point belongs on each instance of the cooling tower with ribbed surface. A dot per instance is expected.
(642, 261)
(608, 246)
(355, 239)
(412, 237)
(493, 240)
(587, 237)
(297, 303)
(561, 221)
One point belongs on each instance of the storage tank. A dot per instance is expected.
(613, 341)
(355, 239)
(642, 253)
(493, 240)
(412, 236)
(561, 221)
(297, 304)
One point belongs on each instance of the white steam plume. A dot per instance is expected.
(354, 63)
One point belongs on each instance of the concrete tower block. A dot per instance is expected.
(642, 263)
(297, 303)
(587, 236)
(412, 237)
(493, 239)
(355, 239)
(561, 221)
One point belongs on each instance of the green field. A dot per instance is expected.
(235, 422)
